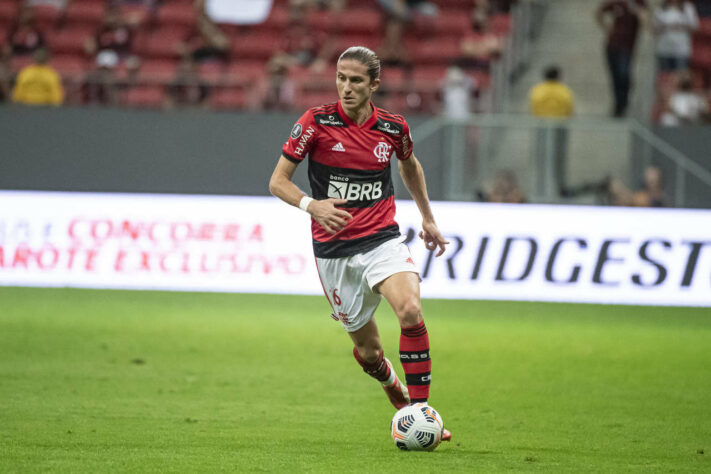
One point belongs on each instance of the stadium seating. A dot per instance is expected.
(160, 32)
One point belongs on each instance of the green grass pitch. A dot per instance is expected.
(118, 381)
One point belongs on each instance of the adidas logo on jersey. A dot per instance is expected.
(338, 147)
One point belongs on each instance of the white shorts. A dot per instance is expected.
(349, 281)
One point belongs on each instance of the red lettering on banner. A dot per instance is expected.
(135, 230)
(101, 230)
(256, 234)
(90, 260)
(71, 253)
(180, 231)
(119, 262)
(42, 262)
(231, 231)
(207, 231)
(22, 255)
(145, 261)
(2, 257)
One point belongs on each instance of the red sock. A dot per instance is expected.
(415, 359)
(379, 370)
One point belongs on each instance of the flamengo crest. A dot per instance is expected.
(382, 152)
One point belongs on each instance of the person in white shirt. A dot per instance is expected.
(685, 106)
(673, 24)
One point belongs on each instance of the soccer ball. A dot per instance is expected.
(417, 427)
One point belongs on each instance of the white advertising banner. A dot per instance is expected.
(261, 245)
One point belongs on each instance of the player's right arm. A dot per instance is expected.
(324, 212)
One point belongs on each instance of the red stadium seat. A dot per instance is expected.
(69, 40)
(176, 13)
(246, 70)
(428, 76)
(19, 62)
(369, 41)
(86, 11)
(145, 96)
(234, 97)
(500, 24)
(277, 20)
(8, 12)
(360, 21)
(212, 72)
(701, 57)
(70, 66)
(451, 23)
(162, 42)
(435, 51)
(46, 16)
(704, 30)
(255, 45)
(157, 70)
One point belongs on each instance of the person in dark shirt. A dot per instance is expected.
(24, 37)
(621, 20)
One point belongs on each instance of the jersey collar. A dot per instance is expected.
(367, 124)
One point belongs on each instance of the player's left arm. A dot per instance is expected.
(414, 178)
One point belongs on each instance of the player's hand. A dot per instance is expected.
(433, 238)
(328, 215)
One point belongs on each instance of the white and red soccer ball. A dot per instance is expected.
(417, 427)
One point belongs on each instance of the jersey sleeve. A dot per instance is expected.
(404, 147)
(302, 138)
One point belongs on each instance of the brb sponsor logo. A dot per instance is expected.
(382, 152)
(340, 187)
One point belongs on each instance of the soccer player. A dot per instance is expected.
(360, 256)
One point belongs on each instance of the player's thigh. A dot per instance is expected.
(352, 300)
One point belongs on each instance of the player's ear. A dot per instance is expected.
(374, 84)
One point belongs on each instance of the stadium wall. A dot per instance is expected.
(185, 152)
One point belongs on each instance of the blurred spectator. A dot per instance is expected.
(685, 106)
(38, 83)
(101, 85)
(398, 15)
(5, 78)
(302, 45)
(24, 37)
(620, 19)
(673, 25)
(480, 46)
(551, 99)
(187, 89)
(205, 42)
(505, 189)
(458, 90)
(279, 90)
(115, 37)
(135, 12)
(651, 193)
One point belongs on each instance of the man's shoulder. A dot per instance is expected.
(327, 115)
(389, 123)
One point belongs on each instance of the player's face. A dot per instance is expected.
(354, 85)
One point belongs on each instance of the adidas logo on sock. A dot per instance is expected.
(338, 147)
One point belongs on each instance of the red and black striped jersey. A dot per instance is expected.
(352, 162)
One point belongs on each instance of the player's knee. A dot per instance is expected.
(410, 312)
(369, 353)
